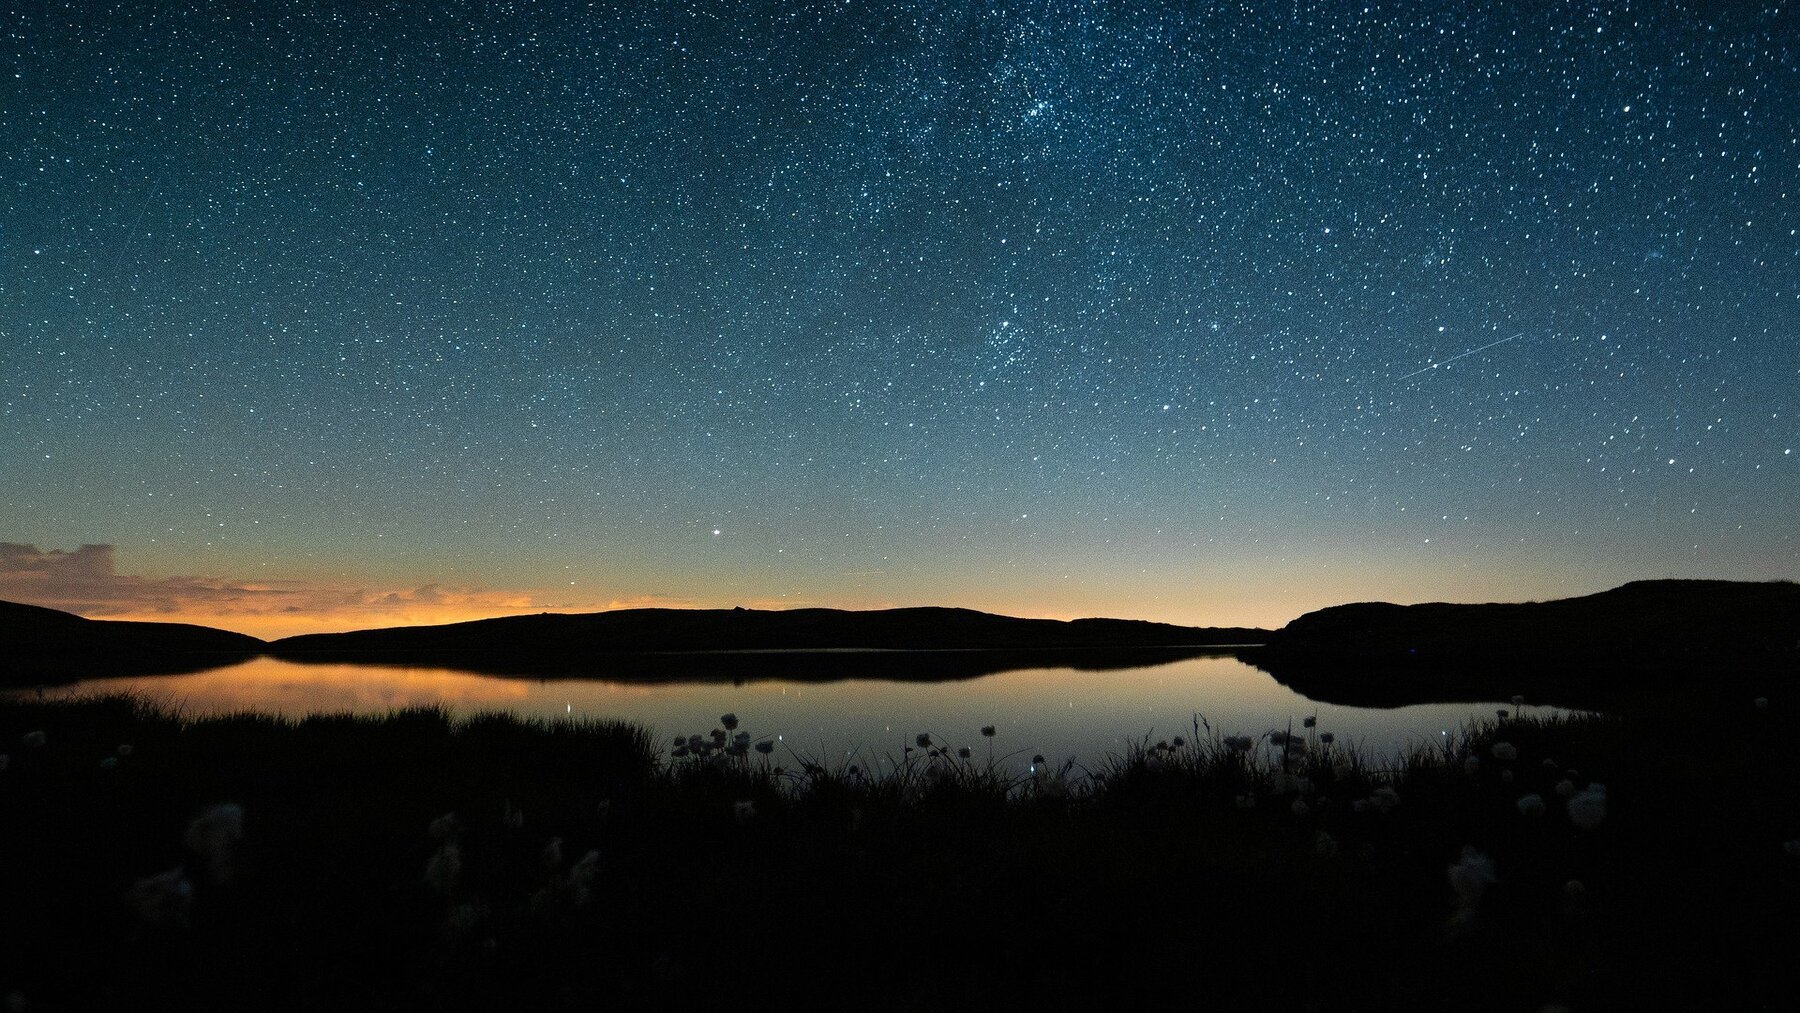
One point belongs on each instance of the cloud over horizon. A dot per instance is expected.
(86, 581)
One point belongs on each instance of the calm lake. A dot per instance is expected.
(1059, 712)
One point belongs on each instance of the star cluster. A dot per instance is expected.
(1203, 312)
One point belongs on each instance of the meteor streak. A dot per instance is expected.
(1457, 356)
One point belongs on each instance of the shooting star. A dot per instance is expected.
(1459, 355)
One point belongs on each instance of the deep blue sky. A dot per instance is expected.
(1074, 308)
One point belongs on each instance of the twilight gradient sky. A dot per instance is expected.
(319, 315)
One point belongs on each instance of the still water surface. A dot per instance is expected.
(1059, 712)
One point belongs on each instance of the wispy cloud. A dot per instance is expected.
(86, 581)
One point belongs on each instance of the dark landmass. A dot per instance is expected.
(42, 645)
(1630, 643)
(712, 644)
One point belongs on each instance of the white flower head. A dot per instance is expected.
(1505, 752)
(1565, 788)
(33, 740)
(214, 836)
(444, 869)
(1531, 805)
(1587, 809)
(1469, 879)
(165, 900)
(1384, 798)
(1300, 808)
(444, 828)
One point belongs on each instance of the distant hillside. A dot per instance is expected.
(42, 645)
(536, 642)
(1686, 633)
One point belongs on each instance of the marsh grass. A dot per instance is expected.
(417, 860)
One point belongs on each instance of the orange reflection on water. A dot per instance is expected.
(280, 687)
(1060, 712)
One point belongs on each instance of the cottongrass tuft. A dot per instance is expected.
(124, 751)
(1531, 805)
(1506, 777)
(582, 877)
(1324, 845)
(1469, 879)
(1762, 703)
(730, 721)
(33, 740)
(765, 747)
(163, 901)
(1384, 798)
(1791, 847)
(444, 828)
(1300, 808)
(1565, 788)
(1238, 743)
(1587, 809)
(109, 762)
(923, 739)
(963, 752)
(1505, 752)
(1518, 701)
(743, 812)
(1471, 765)
(5, 761)
(443, 870)
(214, 836)
(1245, 801)
(1327, 738)
(1309, 722)
(987, 731)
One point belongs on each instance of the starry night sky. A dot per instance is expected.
(1211, 313)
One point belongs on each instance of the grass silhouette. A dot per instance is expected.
(419, 861)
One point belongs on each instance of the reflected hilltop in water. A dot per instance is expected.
(809, 666)
(1059, 711)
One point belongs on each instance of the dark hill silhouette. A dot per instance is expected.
(42, 645)
(1645, 636)
(660, 643)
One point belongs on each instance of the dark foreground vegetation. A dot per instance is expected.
(419, 862)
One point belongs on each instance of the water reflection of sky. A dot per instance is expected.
(1060, 712)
